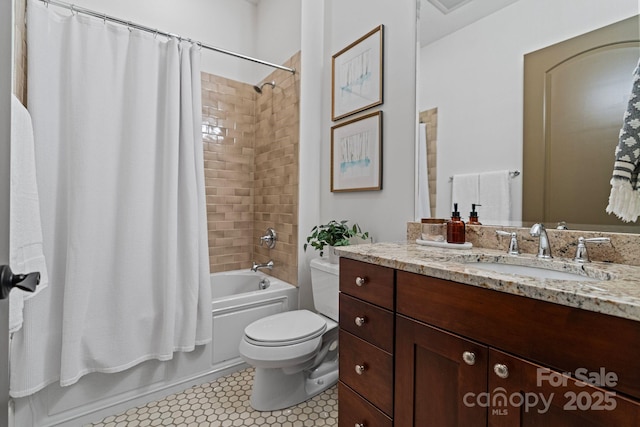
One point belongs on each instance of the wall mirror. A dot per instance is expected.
(471, 71)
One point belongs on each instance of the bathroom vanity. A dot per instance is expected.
(429, 339)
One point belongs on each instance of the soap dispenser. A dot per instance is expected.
(455, 227)
(473, 215)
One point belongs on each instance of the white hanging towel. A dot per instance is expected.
(464, 191)
(495, 197)
(423, 208)
(25, 228)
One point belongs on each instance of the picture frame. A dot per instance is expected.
(356, 154)
(356, 75)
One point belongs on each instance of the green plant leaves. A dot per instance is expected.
(333, 233)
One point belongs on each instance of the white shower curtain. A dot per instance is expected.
(117, 117)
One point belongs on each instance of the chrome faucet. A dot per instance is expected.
(544, 248)
(268, 265)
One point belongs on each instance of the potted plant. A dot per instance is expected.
(332, 234)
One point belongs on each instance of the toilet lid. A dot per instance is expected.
(289, 327)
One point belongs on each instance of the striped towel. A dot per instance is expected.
(624, 200)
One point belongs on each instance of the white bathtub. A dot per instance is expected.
(237, 300)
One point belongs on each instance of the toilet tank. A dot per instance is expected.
(325, 286)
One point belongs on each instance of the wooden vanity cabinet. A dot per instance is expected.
(366, 361)
(514, 341)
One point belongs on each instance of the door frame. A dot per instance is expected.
(6, 73)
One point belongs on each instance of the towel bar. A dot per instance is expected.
(512, 174)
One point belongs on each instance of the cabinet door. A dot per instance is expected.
(435, 373)
(523, 394)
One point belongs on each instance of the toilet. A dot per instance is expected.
(295, 353)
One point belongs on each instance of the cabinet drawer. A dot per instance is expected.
(355, 410)
(367, 321)
(375, 380)
(368, 282)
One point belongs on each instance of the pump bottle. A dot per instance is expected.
(455, 227)
(473, 215)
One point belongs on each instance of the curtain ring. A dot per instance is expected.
(199, 44)
(129, 26)
(155, 35)
(73, 9)
(46, 2)
(104, 19)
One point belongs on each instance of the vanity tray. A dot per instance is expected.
(466, 245)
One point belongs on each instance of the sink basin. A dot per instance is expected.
(531, 271)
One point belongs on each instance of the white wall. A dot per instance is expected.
(269, 31)
(278, 31)
(227, 24)
(383, 213)
(327, 27)
(480, 104)
(313, 64)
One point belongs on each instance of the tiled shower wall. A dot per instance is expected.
(430, 117)
(228, 116)
(251, 170)
(276, 173)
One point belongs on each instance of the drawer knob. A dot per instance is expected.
(469, 358)
(360, 369)
(361, 425)
(360, 320)
(501, 370)
(360, 281)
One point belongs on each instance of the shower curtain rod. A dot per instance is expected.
(130, 24)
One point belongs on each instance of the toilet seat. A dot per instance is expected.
(285, 329)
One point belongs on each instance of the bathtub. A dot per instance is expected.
(238, 300)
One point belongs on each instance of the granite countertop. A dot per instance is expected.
(616, 290)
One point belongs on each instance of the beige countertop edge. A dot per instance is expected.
(619, 296)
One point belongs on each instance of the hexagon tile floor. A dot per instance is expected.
(225, 403)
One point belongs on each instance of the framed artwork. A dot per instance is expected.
(356, 154)
(356, 75)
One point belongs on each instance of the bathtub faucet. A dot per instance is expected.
(268, 265)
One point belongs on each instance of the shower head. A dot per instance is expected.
(259, 88)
